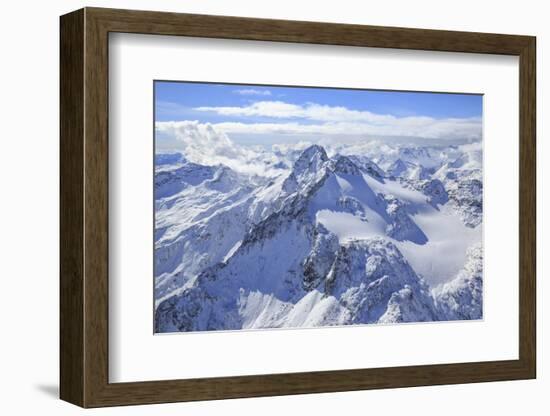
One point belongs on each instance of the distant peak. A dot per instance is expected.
(169, 158)
(398, 167)
(399, 163)
(366, 165)
(343, 164)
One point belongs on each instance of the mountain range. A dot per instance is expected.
(363, 236)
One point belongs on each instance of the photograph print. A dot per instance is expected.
(305, 207)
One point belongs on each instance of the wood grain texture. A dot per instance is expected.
(71, 184)
(96, 208)
(227, 27)
(527, 208)
(84, 207)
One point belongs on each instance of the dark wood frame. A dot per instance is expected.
(84, 207)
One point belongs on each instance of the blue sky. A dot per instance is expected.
(264, 115)
(176, 100)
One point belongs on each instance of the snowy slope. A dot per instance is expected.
(333, 241)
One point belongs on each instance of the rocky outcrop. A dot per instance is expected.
(462, 297)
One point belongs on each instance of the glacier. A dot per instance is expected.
(333, 235)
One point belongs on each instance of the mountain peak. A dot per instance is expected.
(344, 165)
(397, 167)
(162, 159)
(365, 164)
(313, 153)
(311, 160)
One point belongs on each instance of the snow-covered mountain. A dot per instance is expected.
(331, 240)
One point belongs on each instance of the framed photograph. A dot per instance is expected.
(255, 207)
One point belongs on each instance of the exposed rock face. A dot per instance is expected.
(361, 282)
(408, 170)
(308, 170)
(402, 227)
(367, 275)
(171, 181)
(462, 179)
(467, 195)
(462, 298)
(435, 191)
(321, 257)
(367, 166)
(351, 205)
(346, 166)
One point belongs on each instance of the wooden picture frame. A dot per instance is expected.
(84, 207)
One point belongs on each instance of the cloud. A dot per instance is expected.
(431, 129)
(203, 143)
(250, 91)
(324, 119)
(276, 109)
(310, 111)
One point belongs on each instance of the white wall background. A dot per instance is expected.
(29, 159)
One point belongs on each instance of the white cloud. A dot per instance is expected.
(341, 120)
(205, 144)
(286, 147)
(432, 129)
(250, 91)
(310, 111)
(277, 109)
